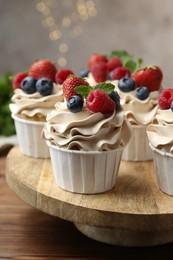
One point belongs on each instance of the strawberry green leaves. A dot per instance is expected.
(85, 90)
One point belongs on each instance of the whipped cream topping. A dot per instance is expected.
(160, 133)
(138, 112)
(31, 105)
(86, 130)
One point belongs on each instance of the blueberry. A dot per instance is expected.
(172, 105)
(44, 86)
(142, 93)
(28, 85)
(116, 98)
(84, 73)
(75, 104)
(126, 84)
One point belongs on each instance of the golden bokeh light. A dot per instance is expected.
(55, 35)
(68, 24)
(63, 47)
(62, 62)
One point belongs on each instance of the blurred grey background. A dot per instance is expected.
(69, 31)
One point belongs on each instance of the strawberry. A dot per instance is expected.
(114, 63)
(120, 73)
(99, 101)
(150, 77)
(95, 58)
(18, 79)
(43, 69)
(62, 75)
(99, 71)
(165, 98)
(70, 83)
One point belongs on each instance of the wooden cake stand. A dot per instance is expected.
(134, 213)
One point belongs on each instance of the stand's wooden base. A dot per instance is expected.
(120, 237)
(134, 213)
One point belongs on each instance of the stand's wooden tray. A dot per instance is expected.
(134, 213)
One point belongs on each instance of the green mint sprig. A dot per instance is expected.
(85, 90)
(127, 60)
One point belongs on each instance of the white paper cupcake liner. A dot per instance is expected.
(138, 148)
(29, 138)
(163, 163)
(85, 172)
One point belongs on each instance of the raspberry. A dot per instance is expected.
(99, 71)
(70, 83)
(119, 73)
(18, 79)
(61, 75)
(43, 69)
(165, 98)
(114, 63)
(99, 101)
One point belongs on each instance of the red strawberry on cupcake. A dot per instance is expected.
(99, 71)
(70, 84)
(150, 76)
(43, 69)
(96, 58)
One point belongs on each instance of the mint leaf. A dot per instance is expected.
(131, 65)
(123, 55)
(83, 90)
(139, 63)
(106, 87)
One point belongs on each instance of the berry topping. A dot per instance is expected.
(116, 98)
(84, 73)
(70, 83)
(18, 79)
(28, 85)
(61, 75)
(99, 71)
(43, 69)
(172, 105)
(96, 58)
(75, 104)
(142, 93)
(165, 98)
(114, 63)
(44, 86)
(126, 84)
(150, 77)
(99, 101)
(119, 73)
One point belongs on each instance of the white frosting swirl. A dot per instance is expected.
(35, 105)
(138, 112)
(160, 133)
(86, 130)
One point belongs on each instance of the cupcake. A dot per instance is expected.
(86, 137)
(139, 101)
(138, 89)
(35, 94)
(160, 135)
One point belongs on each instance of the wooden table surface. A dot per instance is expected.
(26, 233)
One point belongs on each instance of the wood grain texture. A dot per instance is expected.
(136, 203)
(27, 233)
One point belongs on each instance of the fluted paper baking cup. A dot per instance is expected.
(85, 172)
(29, 138)
(163, 163)
(138, 148)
